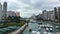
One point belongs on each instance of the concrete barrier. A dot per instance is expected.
(19, 31)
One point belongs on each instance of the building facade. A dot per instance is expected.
(55, 14)
(4, 10)
(11, 13)
(51, 15)
(48, 15)
(17, 13)
(45, 15)
(59, 14)
(0, 11)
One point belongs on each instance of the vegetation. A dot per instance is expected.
(13, 21)
(21, 23)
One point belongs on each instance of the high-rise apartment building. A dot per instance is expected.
(59, 14)
(4, 10)
(0, 11)
(51, 15)
(55, 14)
(45, 15)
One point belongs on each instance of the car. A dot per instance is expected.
(50, 29)
(30, 30)
(47, 29)
(49, 33)
(48, 25)
(39, 28)
(34, 32)
(43, 26)
(40, 23)
(33, 21)
(57, 27)
(38, 32)
(45, 32)
(51, 26)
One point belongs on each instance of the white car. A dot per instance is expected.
(51, 26)
(47, 29)
(34, 32)
(48, 25)
(45, 32)
(39, 28)
(49, 33)
(57, 27)
(43, 25)
(38, 32)
(51, 29)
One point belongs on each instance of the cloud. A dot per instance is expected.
(29, 7)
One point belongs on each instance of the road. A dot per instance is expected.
(49, 29)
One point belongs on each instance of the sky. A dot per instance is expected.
(29, 7)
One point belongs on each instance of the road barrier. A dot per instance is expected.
(19, 31)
